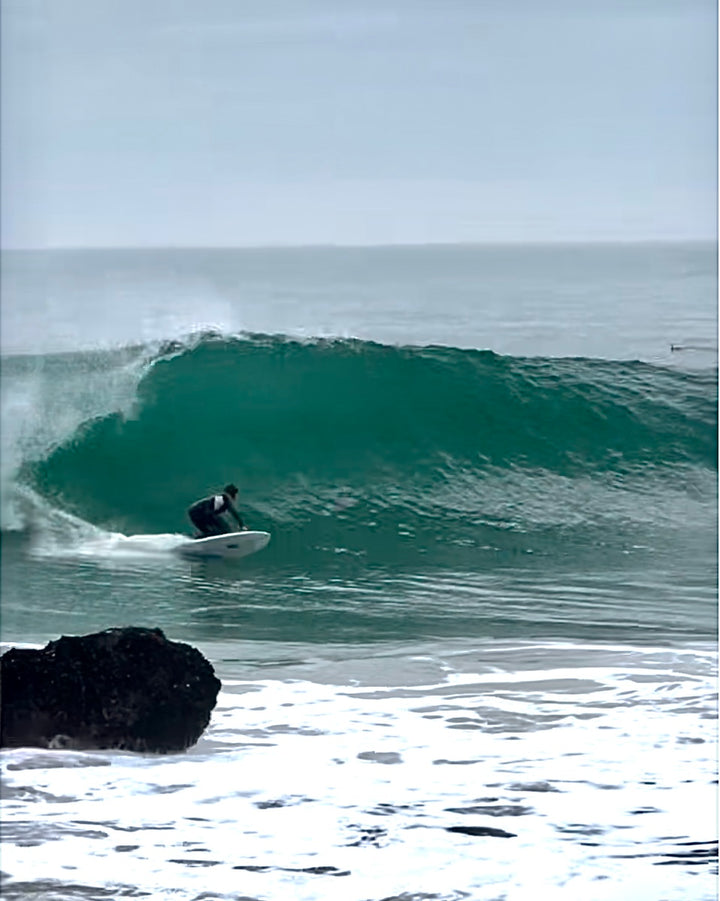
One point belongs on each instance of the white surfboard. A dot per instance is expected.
(233, 544)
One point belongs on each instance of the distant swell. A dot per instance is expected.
(368, 435)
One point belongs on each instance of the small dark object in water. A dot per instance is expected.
(481, 830)
(127, 689)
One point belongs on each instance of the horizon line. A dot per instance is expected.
(326, 245)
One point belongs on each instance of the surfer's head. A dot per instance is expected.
(231, 490)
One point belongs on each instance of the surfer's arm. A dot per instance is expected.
(235, 515)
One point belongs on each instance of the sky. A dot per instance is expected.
(296, 122)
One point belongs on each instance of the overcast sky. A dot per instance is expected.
(255, 122)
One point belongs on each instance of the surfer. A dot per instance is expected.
(207, 515)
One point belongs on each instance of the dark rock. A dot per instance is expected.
(129, 689)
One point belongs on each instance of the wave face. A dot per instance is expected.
(353, 446)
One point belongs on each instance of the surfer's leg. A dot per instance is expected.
(202, 523)
(216, 524)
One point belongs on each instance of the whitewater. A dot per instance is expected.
(477, 659)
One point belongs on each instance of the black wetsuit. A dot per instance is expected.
(207, 515)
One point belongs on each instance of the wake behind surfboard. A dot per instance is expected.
(231, 545)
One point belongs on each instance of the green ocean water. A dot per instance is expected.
(530, 495)
(477, 658)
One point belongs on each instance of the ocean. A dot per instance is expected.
(477, 660)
